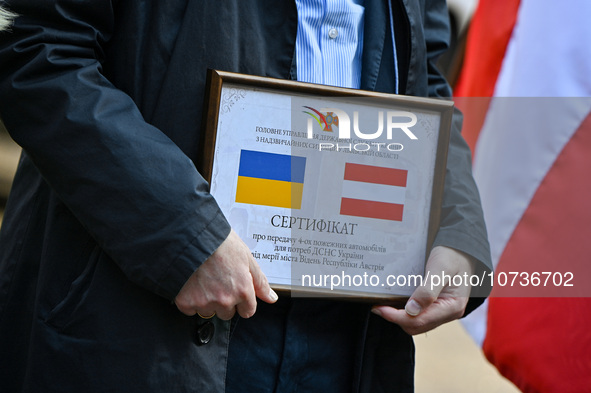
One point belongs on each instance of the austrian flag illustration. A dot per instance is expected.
(373, 192)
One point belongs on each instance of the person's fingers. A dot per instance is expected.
(248, 306)
(391, 314)
(411, 325)
(440, 298)
(227, 282)
(226, 313)
(206, 314)
(433, 283)
(441, 311)
(442, 266)
(188, 311)
(184, 300)
(422, 297)
(261, 284)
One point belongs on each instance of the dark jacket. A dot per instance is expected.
(108, 216)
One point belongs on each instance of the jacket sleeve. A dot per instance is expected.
(462, 222)
(131, 187)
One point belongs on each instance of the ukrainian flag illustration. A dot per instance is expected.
(270, 179)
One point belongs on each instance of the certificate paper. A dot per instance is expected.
(336, 192)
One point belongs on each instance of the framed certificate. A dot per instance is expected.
(337, 192)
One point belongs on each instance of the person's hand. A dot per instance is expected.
(228, 281)
(429, 307)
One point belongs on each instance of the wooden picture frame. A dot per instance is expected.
(315, 206)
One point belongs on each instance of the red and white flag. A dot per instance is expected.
(373, 192)
(532, 163)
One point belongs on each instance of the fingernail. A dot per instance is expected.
(413, 308)
(376, 311)
(273, 295)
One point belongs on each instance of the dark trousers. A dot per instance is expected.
(297, 345)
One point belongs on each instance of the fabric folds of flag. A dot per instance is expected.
(270, 179)
(531, 164)
(373, 192)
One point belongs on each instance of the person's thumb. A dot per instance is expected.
(423, 296)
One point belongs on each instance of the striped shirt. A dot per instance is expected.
(329, 42)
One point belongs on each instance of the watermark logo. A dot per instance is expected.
(395, 120)
(325, 122)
